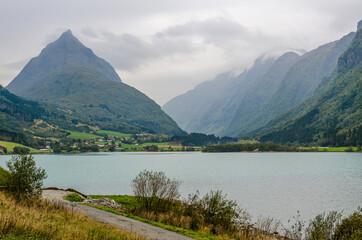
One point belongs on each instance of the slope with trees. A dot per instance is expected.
(333, 115)
(72, 78)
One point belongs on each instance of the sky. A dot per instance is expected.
(166, 47)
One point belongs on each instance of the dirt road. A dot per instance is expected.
(124, 223)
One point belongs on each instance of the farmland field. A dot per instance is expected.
(80, 135)
(10, 145)
(113, 133)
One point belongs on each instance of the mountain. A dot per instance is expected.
(249, 113)
(21, 118)
(72, 78)
(240, 105)
(210, 106)
(333, 115)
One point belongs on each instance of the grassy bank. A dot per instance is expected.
(38, 219)
(173, 220)
(10, 146)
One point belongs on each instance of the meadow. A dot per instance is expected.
(37, 219)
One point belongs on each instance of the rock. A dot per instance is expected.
(106, 202)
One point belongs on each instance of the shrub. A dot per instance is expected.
(155, 190)
(349, 149)
(24, 179)
(21, 150)
(4, 176)
(217, 210)
(322, 227)
(295, 231)
(112, 149)
(73, 197)
(350, 228)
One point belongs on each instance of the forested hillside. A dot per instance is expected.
(333, 115)
(69, 76)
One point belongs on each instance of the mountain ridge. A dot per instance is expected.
(69, 76)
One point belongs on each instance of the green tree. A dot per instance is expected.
(155, 190)
(350, 228)
(322, 227)
(25, 178)
(21, 150)
(217, 210)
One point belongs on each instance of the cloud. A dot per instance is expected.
(166, 47)
(128, 51)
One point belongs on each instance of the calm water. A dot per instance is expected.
(270, 184)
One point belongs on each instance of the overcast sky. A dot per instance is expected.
(167, 47)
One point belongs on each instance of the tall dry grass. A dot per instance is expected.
(38, 219)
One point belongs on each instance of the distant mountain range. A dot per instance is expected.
(70, 78)
(264, 100)
(333, 115)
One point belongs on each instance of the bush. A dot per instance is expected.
(295, 231)
(349, 149)
(155, 191)
(322, 227)
(24, 179)
(350, 228)
(152, 148)
(112, 149)
(4, 176)
(73, 197)
(21, 150)
(217, 210)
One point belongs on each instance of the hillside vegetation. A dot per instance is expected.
(234, 106)
(38, 219)
(333, 115)
(69, 76)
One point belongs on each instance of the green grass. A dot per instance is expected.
(81, 135)
(10, 146)
(113, 133)
(331, 149)
(125, 200)
(156, 143)
(183, 231)
(44, 220)
(73, 197)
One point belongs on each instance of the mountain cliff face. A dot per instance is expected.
(333, 115)
(257, 98)
(69, 76)
(210, 106)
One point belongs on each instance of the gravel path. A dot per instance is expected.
(124, 223)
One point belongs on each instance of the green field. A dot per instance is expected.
(10, 146)
(156, 143)
(81, 135)
(113, 133)
(331, 149)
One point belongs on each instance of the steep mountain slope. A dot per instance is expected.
(69, 76)
(20, 118)
(211, 105)
(299, 83)
(233, 107)
(248, 114)
(332, 116)
(65, 52)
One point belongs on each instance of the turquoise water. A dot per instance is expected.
(268, 184)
